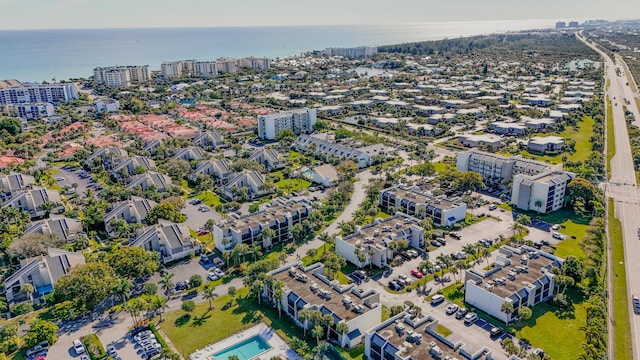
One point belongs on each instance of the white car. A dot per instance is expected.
(218, 272)
(78, 347)
(555, 227)
(211, 275)
(111, 351)
(557, 235)
(470, 318)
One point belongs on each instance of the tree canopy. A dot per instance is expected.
(87, 284)
(133, 262)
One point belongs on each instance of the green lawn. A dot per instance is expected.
(620, 297)
(441, 167)
(611, 145)
(209, 198)
(548, 322)
(204, 326)
(290, 185)
(582, 136)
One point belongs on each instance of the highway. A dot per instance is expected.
(622, 185)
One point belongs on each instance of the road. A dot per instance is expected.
(622, 188)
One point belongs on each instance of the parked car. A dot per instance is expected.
(470, 318)
(451, 309)
(204, 208)
(394, 286)
(455, 235)
(59, 178)
(636, 304)
(414, 254)
(78, 347)
(111, 351)
(495, 332)
(461, 313)
(557, 235)
(203, 232)
(555, 227)
(400, 282)
(211, 276)
(435, 243)
(218, 272)
(437, 299)
(360, 274)
(493, 207)
(416, 273)
(182, 285)
(195, 201)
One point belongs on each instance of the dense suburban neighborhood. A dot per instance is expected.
(443, 199)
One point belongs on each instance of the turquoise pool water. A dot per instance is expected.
(308, 172)
(244, 350)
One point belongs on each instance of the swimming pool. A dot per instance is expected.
(308, 173)
(244, 350)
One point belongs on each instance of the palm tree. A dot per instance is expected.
(209, 294)
(122, 289)
(327, 321)
(28, 290)
(256, 288)
(371, 252)
(158, 304)
(317, 333)
(303, 316)
(507, 308)
(326, 239)
(342, 328)
(538, 204)
(166, 283)
(278, 293)
(471, 250)
(267, 236)
(209, 226)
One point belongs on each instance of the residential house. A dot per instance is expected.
(32, 200)
(326, 175)
(65, 228)
(151, 180)
(539, 124)
(329, 148)
(218, 168)
(133, 211)
(172, 241)
(209, 140)
(13, 183)
(134, 166)
(521, 276)
(373, 240)
(309, 288)
(279, 215)
(504, 128)
(252, 180)
(270, 158)
(107, 157)
(486, 140)
(42, 272)
(190, 153)
(548, 144)
(414, 202)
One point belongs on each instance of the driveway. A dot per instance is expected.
(196, 219)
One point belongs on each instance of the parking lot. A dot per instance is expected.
(73, 177)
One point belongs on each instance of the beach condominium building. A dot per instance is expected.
(15, 92)
(31, 111)
(352, 53)
(298, 120)
(543, 192)
(121, 76)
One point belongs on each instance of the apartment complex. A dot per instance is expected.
(15, 92)
(279, 215)
(42, 272)
(414, 202)
(310, 289)
(172, 241)
(209, 69)
(542, 192)
(495, 168)
(32, 111)
(522, 276)
(320, 144)
(351, 53)
(298, 120)
(122, 76)
(373, 240)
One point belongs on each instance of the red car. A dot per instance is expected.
(203, 232)
(416, 273)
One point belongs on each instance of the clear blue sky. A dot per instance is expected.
(48, 14)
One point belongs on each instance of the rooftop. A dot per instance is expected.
(315, 290)
(268, 213)
(398, 334)
(422, 198)
(382, 231)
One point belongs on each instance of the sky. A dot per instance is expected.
(66, 14)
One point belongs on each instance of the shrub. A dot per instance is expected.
(195, 280)
(149, 289)
(21, 309)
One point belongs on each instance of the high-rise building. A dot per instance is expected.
(352, 53)
(206, 69)
(227, 65)
(298, 120)
(561, 25)
(15, 92)
(121, 76)
(30, 111)
(543, 192)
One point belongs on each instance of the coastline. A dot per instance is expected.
(44, 55)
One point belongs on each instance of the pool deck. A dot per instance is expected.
(278, 346)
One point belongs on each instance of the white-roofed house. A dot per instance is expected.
(172, 241)
(548, 144)
(132, 211)
(326, 175)
(66, 229)
(151, 180)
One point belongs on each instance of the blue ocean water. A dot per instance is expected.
(42, 55)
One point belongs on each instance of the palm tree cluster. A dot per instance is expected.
(322, 324)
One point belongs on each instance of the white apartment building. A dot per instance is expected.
(227, 65)
(254, 63)
(206, 69)
(354, 52)
(32, 110)
(108, 105)
(494, 168)
(121, 76)
(298, 120)
(15, 92)
(414, 202)
(543, 192)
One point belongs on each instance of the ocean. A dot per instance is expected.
(44, 55)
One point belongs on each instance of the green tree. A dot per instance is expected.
(195, 280)
(572, 267)
(165, 211)
(525, 313)
(317, 333)
(507, 308)
(232, 292)
(41, 330)
(158, 305)
(12, 125)
(133, 262)
(28, 290)
(86, 285)
(177, 169)
(209, 295)
(286, 136)
(188, 306)
(166, 283)
(470, 180)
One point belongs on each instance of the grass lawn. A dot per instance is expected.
(204, 326)
(441, 167)
(209, 198)
(611, 145)
(444, 331)
(542, 329)
(581, 134)
(620, 297)
(290, 185)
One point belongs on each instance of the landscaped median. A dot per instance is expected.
(94, 347)
(622, 323)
